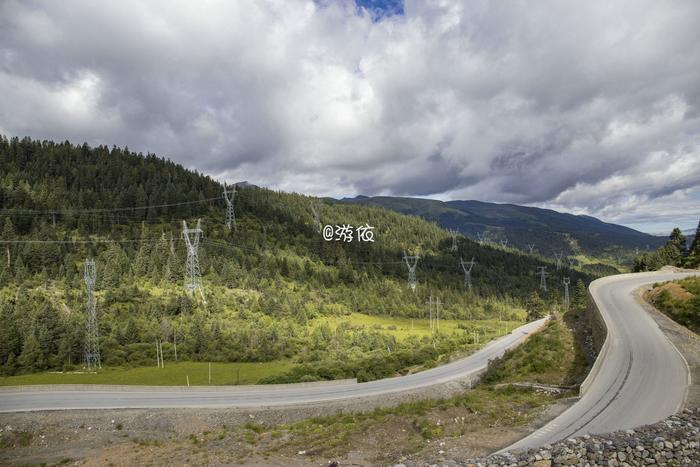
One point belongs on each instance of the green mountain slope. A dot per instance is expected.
(275, 290)
(549, 230)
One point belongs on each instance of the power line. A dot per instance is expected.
(117, 209)
(80, 241)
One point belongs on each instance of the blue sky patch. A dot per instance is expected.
(380, 9)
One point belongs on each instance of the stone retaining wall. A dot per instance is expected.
(674, 441)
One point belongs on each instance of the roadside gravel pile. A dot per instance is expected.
(674, 441)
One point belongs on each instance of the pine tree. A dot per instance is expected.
(10, 365)
(31, 358)
(535, 307)
(580, 301)
(8, 233)
(676, 247)
(693, 259)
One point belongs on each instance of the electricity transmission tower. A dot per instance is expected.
(567, 281)
(467, 268)
(572, 262)
(92, 343)
(504, 243)
(317, 218)
(411, 264)
(542, 272)
(559, 257)
(193, 279)
(531, 247)
(454, 240)
(480, 236)
(228, 195)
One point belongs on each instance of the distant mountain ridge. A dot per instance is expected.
(549, 230)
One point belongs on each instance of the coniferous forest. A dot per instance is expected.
(270, 285)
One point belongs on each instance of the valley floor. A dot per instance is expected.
(473, 423)
(374, 431)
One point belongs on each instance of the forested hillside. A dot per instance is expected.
(549, 231)
(269, 283)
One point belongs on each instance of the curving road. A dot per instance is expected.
(70, 397)
(639, 377)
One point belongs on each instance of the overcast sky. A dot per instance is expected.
(584, 106)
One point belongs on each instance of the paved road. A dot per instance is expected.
(642, 378)
(57, 398)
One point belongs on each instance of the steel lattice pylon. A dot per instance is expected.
(92, 340)
(454, 246)
(193, 278)
(228, 196)
(566, 281)
(467, 267)
(317, 217)
(411, 263)
(558, 257)
(542, 271)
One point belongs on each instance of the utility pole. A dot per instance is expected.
(430, 313)
(542, 272)
(567, 281)
(467, 268)
(559, 257)
(531, 247)
(193, 279)
(159, 354)
(411, 264)
(317, 218)
(229, 195)
(92, 338)
(437, 313)
(454, 240)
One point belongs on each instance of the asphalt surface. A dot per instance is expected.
(641, 379)
(64, 398)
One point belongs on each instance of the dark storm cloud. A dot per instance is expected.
(591, 107)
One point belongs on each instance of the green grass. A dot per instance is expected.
(480, 407)
(681, 304)
(550, 356)
(402, 328)
(174, 374)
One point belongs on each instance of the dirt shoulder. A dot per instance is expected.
(473, 423)
(685, 340)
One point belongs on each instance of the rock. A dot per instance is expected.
(675, 441)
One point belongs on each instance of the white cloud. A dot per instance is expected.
(586, 106)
